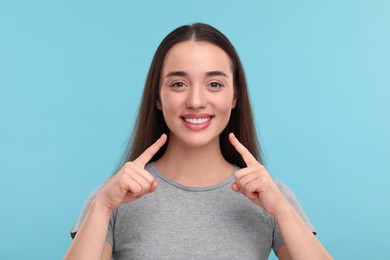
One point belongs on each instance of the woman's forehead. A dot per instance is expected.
(196, 56)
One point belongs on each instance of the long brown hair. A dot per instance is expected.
(150, 124)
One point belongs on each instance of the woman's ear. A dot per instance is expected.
(234, 103)
(158, 104)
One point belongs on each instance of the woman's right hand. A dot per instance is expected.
(132, 181)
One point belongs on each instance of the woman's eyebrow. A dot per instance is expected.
(177, 74)
(185, 74)
(216, 73)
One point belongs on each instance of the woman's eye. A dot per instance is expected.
(215, 85)
(177, 85)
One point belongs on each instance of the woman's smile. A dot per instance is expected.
(197, 122)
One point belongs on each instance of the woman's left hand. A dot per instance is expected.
(255, 182)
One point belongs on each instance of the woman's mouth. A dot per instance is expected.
(197, 122)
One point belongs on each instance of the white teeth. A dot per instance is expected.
(197, 121)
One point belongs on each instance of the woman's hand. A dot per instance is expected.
(132, 181)
(255, 182)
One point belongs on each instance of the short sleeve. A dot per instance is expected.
(84, 211)
(290, 196)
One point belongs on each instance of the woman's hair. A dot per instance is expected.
(150, 124)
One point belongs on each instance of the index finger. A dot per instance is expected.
(148, 154)
(242, 150)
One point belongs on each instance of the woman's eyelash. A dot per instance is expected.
(215, 85)
(177, 84)
(180, 84)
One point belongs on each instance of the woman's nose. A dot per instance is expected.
(196, 97)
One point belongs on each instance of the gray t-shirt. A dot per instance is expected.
(180, 222)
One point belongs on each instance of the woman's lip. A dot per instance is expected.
(196, 116)
(199, 125)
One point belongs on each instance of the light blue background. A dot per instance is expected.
(71, 76)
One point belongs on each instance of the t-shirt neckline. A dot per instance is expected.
(189, 188)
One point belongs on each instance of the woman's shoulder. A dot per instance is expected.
(284, 188)
(287, 193)
(86, 206)
(292, 198)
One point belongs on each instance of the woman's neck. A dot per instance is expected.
(194, 166)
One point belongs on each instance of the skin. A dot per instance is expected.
(194, 91)
(196, 79)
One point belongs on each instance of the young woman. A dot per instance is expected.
(193, 185)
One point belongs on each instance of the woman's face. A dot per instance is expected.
(196, 92)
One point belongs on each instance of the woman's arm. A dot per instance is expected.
(300, 242)
(91, 237)
(131, 182)
(107, 251)
(255, 183)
